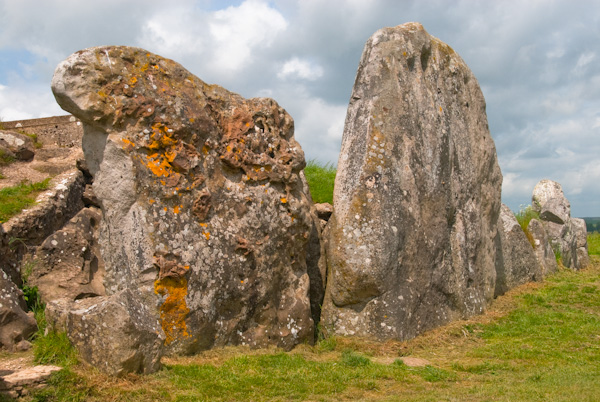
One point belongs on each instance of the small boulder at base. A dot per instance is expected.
(516, 260)
(117, 334)
(411, 241)
(18, 145)
(16, 326)
(204, 214)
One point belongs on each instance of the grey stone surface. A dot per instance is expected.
(68, 263)
(543, 248)
(117, 334)
(205, 217)
(516, 261)
(417, 193)
(20, 145)
(568, 236)
(15, 324)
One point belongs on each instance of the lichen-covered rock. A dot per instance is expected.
(516, 260)
(117, 334)
(542, 247)
(20, 146)
(204, 212)
(16, 325)
(568, 236)
(417, 193)
(68, 263)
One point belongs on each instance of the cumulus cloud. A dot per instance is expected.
(297, 68)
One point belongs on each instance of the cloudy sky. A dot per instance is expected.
(538, 63)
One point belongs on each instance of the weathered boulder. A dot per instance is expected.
(204, 214)
(19, 145)
(417, 193)
(117, 334)
(16, 326)
(68, 263)
(324, 210)
(542, 247)
(568, 236)
(516, 260)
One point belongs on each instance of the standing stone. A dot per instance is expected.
(204, 214)
(417, 193)
(516, 262)
(568, 236)
(543, 248)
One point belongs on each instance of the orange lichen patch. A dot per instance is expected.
(174, 310)
(192, 120)
(151, 201)
(160, 167)
(102, 93)
(205, 150)
(283, 200)
(203, 225)
(166, 209)
(177, 209)
(440, 109)
(207, 235)
(164, 183)
(133, 80)
(127, 145)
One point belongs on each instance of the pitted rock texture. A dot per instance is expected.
(417, 193)
(516, 260)
(204, 213)
(68, 263)
(16, 325)
(568, 236)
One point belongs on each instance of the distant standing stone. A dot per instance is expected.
(417, 193)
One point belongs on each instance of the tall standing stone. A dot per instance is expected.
(205, 218)
(417, 193)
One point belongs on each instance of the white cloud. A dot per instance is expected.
(236, 31)
(298, 68)
(27, 103)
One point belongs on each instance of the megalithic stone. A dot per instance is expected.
(417, 193)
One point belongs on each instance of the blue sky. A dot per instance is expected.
(538, 63)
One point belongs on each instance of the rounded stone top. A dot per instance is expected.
(544, 191)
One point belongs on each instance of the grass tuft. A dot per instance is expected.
(524, 216)
(6, 159)
(320, 181)
(14, 199)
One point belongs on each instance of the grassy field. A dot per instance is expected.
(14, 199)
(594, 243)
(320, 180)
(539, 342)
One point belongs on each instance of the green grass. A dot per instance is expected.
(320, 181)
(593, 243)
(14, 199)
(524, 216)
(540, 342)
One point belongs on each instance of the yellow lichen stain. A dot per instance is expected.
(192, 120)
(144, 67)
(164, 183)
(102, 93)
(440, 109)
(283, 200)
(403, 53)
(174, 310)
(132, 80)
(205, 150)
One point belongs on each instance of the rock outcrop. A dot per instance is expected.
(516, 261)
(16, 145)
(568, 236)
(68, 263)
(417, 193)
(205, 218)
(16, 326)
